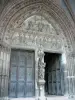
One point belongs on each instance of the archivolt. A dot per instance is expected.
(29, 7)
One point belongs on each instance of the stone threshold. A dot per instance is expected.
(36, 98)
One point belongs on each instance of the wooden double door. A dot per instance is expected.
(22, 80)
(54, 74)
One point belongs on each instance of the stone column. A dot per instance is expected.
(4, 71)
(71, 75)
(64, 67)
(36, 75)
(0, 68)
(41, 71)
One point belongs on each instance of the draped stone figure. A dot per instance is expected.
(41, 72)
(41, 65)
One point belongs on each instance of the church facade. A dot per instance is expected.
(37, 58)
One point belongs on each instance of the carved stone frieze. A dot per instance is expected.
(29, 34)
(35, 40)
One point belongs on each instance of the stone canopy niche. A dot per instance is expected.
(34, 31)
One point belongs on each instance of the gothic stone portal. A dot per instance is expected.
(31, 34)
(22, 77)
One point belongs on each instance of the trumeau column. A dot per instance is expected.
(4, 71)
(41, 71)
(71, 75)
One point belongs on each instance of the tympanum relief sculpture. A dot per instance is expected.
(32, 32)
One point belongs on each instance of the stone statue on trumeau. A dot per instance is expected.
(41, 65)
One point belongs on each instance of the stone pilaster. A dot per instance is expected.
(4, 70)
(71, 75)
(36, 75)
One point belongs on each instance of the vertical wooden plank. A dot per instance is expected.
(30, 74)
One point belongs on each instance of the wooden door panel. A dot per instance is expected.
(22, 74)
(30, 75)
(15, 57)
(29, 89)
(13, 73)
(21, 89)
(58, 75)
(50, 88)
(50, 77)
(30, 61)
(12, 90)
(59, 88)
(54, 77)
(54, 88)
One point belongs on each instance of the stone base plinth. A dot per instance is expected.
(41, 82)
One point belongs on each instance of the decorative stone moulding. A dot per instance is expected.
(16, 9)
